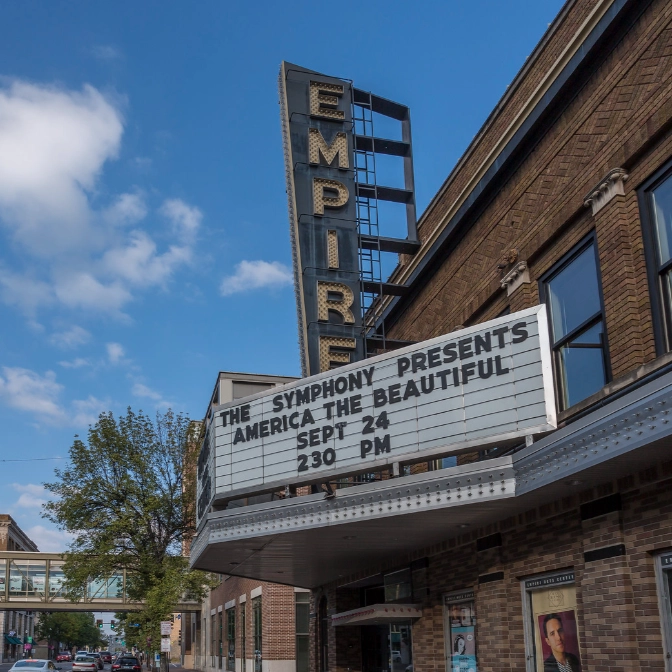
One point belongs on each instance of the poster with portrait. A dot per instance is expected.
(556, 629)
(461, 632)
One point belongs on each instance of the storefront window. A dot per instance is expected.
(323, 639)
(243, 637)
(3, 579)
(398, 586)
(553, 639)
(302, 605)
(256, 615)
(664, 580)
(460, 627)
(220, 639)
(213, 639)
(231, 640)
(571, 290)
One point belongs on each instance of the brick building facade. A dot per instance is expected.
(554, 554)
(21, 623)
(250, 626)
(246, 625)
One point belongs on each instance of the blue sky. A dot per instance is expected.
(143, 217)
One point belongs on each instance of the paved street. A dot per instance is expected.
(67, 667)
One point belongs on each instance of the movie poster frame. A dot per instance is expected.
(465, 595)
(558, 578)
(663, 564)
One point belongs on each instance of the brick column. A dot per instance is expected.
(493, 642)
(605, 598)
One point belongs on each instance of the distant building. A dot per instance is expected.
(15, 626)
(245, 625)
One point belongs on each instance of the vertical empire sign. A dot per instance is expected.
(316, 113)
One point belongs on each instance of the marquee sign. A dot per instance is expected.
(317, 129)
(480, 386)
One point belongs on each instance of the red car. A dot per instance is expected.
(64, 656)
(106, 656)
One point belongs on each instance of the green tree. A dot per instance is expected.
(76, 629)
(128, 495)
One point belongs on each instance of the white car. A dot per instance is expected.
(34, 665)
(83, 664)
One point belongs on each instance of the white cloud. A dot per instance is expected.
(106, 52)
(115, 353)
(54, 143)
(254, 275)
(86, 411)
(144, 392)
(33, 496)
(49, 540)
(26, 390)
(139, 264)
(77, 363)
(127, 209)
(70, 338)
(39, 395)
(140, 390)
(83, 290)
(186, 219)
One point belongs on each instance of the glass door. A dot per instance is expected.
(387, 648)
(401, 651)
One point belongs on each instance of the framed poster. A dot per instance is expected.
(554, 623)
(460, 629)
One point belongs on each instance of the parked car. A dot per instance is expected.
(64, 657)
(106, 656)
(85, 663)
(34, 665)
(99, 660)
(126, 664)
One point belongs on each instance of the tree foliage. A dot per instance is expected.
(128, 495)
(76, 629)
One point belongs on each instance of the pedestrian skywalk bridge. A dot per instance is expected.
(35, 581)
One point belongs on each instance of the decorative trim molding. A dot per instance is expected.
(517, 276)
(610, 185)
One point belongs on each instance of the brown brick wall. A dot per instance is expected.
(278, 617)
(617, 601)
(618, 118)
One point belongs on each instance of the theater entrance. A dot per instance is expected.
(387, 648)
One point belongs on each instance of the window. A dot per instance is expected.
(664, 582)
(302, 621)
(220, 647)
(243, 637)
(398, 586)
(231, 639)
(213, 639)
(655, 204)
(323, 638)
(573, 297)
(257, 622)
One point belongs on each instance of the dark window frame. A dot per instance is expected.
(231, 639)
(547, 277)
(302, 613)
(661, 312)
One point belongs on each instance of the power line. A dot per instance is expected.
(34, 459)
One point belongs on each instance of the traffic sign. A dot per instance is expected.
(165, 627)
(165, 645)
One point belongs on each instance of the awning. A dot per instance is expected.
(12, 640)
(376, 614)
